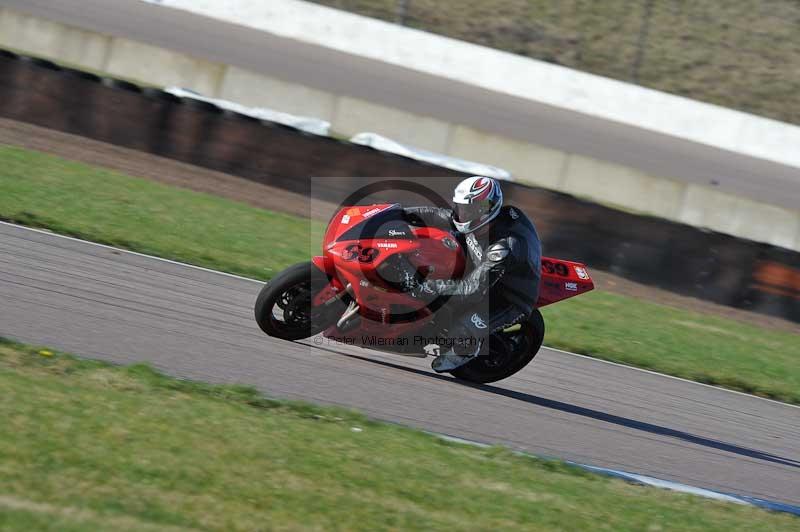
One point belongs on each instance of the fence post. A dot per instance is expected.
(402, 11)
(644, 32)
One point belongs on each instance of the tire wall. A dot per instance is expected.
(672, 256)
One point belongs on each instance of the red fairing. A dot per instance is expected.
(349, 217)
(562, 279)
(358, 259)
(324, 264)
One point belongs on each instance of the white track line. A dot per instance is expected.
(49, 233)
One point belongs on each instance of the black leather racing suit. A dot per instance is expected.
(501, 282)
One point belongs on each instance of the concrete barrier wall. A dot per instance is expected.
(38, 36)
(660, 177)
(160, 67)
(510, 74)
(673, 256)
(247, 88)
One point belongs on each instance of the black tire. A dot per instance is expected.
(160, 95)
(233, 115)
(292, 290)
(39, 62)
(121, 84)
(201, 105)
(80, 74)
(491, 368)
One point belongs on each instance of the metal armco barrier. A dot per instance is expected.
(675, 257)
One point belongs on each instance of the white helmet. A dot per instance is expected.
(478, 201)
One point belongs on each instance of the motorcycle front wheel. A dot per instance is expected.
(283, 308)
(510, 350)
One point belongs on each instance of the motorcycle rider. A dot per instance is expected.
(503, 271)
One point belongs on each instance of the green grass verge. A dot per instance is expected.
(89, 446)
(104, 206)
(111, 208)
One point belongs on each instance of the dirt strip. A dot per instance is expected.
(163, 170)
(184, 175)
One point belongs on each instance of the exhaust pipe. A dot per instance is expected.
(352, 310)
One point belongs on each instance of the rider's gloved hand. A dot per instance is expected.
(411, 284)
(408, 278)
(420, 290)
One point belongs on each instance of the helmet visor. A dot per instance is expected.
(470, 212)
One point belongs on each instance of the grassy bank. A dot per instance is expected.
(89, 446)
(736, 54)
(108, 207)
(140, 215)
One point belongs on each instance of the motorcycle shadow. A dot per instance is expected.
(590, 413)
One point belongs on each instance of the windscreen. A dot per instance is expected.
(389, 224)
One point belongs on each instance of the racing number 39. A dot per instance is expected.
(356, 252)
(557, 268)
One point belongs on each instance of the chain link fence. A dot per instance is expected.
(743, 54)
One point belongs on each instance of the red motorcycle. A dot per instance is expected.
(353, 293)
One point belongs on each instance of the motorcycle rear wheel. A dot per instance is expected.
(283, 308)
(510, 351)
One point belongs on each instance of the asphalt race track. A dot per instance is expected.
(122, 307)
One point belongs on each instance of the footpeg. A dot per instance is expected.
(449, 362)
